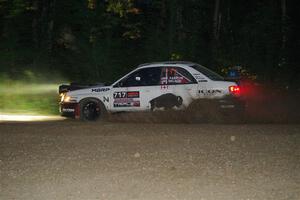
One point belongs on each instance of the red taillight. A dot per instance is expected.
(235, 90)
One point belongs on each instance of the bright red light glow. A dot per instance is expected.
(235, 90)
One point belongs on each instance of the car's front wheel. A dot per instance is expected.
(91, 110)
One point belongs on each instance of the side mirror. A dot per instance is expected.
(119, 84)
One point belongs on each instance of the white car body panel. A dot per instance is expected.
(138, 98)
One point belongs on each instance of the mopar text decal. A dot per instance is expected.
(100, 89)
(131, 94)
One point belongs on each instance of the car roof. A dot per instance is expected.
(153, 64)
(184, 64)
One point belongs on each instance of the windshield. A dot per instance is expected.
(207, 72)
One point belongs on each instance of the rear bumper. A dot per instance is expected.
(231, 104)
(69, 110)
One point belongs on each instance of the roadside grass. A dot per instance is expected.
(26, 91)
(29, 99)
(46, 103)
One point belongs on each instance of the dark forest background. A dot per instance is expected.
(99, 40)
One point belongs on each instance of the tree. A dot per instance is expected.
(92, 40)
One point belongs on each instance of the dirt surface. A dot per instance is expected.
(112, 160)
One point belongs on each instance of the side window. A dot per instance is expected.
(176, 75)
(142, 77)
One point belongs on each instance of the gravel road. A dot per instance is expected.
(71, 160)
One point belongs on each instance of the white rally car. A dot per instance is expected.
(151, 87)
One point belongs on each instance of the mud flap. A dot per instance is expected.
(77, 111)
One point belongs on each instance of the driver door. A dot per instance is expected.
(135, 91)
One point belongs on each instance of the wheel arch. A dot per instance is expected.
(90, 98)
(95, 99)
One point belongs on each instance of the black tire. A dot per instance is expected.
(237, 116)
(92, 110)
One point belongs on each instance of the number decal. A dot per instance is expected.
(131, 94)
(118, 95)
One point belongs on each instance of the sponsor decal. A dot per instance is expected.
(200, 78)
(163, 80)
(100, 89)
(105, 99)
(134, 94)
(126, 102)
(166, 101)
(130, 94)
(177, 79)
(163, 87)
(174, 80)
(68, 110)
(209, 92)
(126, 99)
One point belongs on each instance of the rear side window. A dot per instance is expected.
(208, 73)
(175, 76)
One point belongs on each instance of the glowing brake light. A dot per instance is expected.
(235, 90)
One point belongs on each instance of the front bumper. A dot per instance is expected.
(69, 110)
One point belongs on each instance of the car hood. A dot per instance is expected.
(92, 91)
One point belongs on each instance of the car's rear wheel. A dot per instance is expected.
(237, 115)
(204, 111)
(91, 110)
(209, 110)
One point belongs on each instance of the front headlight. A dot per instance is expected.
(66, 98)
(62, 97)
